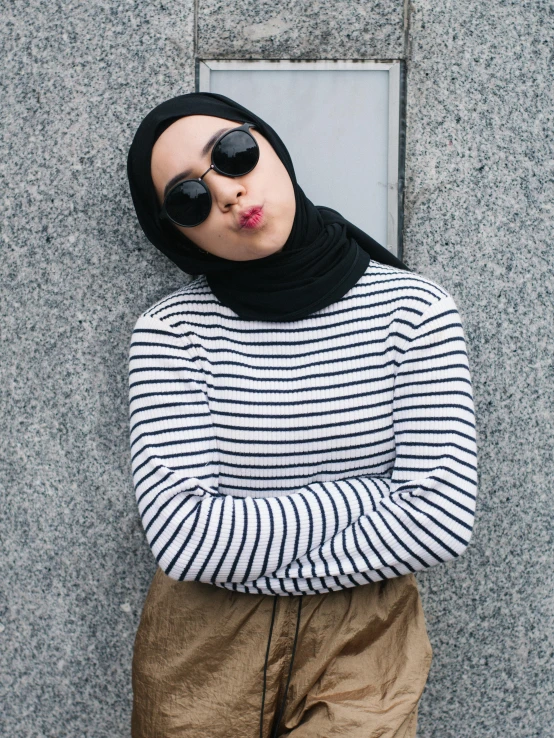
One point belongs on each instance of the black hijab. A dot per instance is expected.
(323, 257)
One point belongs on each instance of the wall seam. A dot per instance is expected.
(402, 126)
(195, 43)
(407, 20)
(195, 47)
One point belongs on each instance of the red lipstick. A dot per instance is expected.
(252, 217)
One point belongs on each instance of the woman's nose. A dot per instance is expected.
(226, 191)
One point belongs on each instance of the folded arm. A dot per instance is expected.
(379, 527)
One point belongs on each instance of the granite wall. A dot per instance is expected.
(76, 272)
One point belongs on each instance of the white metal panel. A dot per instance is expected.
(339, 121)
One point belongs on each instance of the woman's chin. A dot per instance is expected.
(258, 251)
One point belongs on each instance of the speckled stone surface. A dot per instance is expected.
(76, 80)
(76, 272)
(479, 220)
(301, 29)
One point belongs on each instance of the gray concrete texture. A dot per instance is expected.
(479, 219)
(76, 272)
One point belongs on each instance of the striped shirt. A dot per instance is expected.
(304, 456)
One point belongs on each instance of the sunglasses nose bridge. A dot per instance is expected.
(212, 166)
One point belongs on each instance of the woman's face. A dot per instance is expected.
(268, 187)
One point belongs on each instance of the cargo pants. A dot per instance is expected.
(361, 661)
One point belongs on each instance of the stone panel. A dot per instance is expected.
(76, 273)
(479, 220)
(344, 29)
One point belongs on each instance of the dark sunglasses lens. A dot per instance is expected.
(188, 203)
(237, 153)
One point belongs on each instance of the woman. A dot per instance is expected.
(301, 424)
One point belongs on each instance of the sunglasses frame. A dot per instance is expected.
(164, 215)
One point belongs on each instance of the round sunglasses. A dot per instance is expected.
(234, 154)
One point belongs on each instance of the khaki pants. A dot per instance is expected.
(360, 665)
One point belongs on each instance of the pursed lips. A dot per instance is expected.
(251, 218)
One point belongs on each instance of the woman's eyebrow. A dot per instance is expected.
(212, 139)
(183, 175)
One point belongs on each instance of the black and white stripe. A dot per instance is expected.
(304, 456)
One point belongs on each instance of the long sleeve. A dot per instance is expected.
(423, 515)
(325, 534)
(195, 532)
